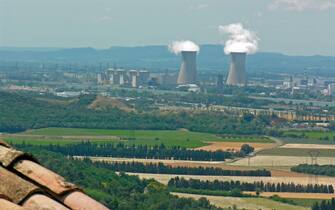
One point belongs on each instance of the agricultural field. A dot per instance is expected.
(304, 180)
(173, 163)
(271, 154)
(290, 195)
(244, 203)
(286, 140)
(275, 171)
(235, 146)
(297, 152)
(314, 135)
(289, 155)
(165, 161)
(309, 146)
(181, 138)
(281, 161)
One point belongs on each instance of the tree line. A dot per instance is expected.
(245, 186)
(324, 205)
(160, 168)
(325, 170)
(145, 152)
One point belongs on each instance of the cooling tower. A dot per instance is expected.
(188, 69)
(237, 75)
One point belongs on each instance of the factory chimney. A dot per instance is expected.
(188, 69)
(237, 75)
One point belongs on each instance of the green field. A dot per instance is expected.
(315, 135)
(181, 138)
(297, 152)
(305, 202)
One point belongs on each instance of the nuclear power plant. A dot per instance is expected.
(188, 69)
(237, 75)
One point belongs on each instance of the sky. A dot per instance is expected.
(294, 27)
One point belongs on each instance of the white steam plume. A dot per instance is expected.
(239, 39)
(179, 46)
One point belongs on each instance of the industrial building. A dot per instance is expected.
(331, 89)
(219, 82)
(143, 77)
(131, 78)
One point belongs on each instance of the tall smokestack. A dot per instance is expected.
(237, 75)
(188, 69)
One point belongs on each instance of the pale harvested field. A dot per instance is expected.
(285, 173)
(295, 195)
(164, 178)
(280, 161)
(184, 163)
(309, 146)
(244, 203)
(234, 146)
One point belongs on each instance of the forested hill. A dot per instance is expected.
(211, 57)
(21, 111)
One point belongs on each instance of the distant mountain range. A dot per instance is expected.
(211, 57)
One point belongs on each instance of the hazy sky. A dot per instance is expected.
(302, 27)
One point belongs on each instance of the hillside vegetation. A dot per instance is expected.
(20, 112)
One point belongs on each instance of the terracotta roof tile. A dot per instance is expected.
(14, 187)
(2, 143)
(24, 184)
(78, 200)
(5, 204)
(42, 202)
(8, 155)
(44, 177)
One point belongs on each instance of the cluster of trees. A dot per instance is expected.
(117, 192)
(324, 205)
(160, 168)
(326, 170)
(144, 151)
(20, 112)
(245, 186)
